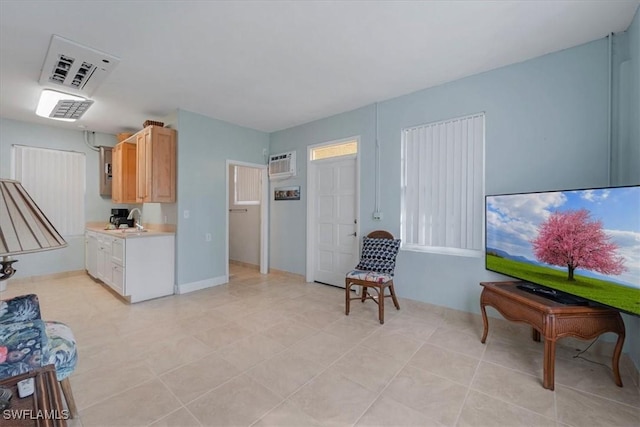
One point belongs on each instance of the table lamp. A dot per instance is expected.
(23, 227)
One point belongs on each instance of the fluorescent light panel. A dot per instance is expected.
(61, 106)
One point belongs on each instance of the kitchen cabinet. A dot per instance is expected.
(148, 267)
(91, 253)
(124, 173)
(104, 269)
(138, 266)
(156, 165)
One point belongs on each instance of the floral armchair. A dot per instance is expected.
(27, 343)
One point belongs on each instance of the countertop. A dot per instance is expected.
(128, 233)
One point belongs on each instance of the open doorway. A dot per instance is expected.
(247, 215)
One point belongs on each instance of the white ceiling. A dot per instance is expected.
(271, 65)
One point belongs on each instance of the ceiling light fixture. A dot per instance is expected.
(62, 106)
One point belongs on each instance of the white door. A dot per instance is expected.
(335, 220)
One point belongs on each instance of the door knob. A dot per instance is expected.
(353, 234)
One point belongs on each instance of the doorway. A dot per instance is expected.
(247, 215)
(332, 211)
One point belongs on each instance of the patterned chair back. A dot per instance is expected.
(379, 252)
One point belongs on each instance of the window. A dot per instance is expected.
(443, 186)
(335, 150)
(247, 185)
(55, 180)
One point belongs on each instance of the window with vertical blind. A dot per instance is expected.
(55, 179)
(247, 185)
(443, 186)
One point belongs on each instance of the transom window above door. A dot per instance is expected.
(343, 148)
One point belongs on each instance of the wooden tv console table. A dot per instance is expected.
(553, 320)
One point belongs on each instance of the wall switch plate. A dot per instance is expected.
(377, 216)
(207, 237)
(186, 214)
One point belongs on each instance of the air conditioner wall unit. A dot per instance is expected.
(282, 166)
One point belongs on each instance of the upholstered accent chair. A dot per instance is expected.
(374, 271)
(27, 343)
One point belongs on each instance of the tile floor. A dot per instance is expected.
(275, 351)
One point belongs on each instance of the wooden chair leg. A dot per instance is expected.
(68, 396)
(393, 296)
(364, 293)
(347, 297)
(381, 304)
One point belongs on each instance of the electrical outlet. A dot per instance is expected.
(377, 216)
(186, 214)
(207, 237)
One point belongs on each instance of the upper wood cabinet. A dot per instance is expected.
(123, 183)
(156, 165)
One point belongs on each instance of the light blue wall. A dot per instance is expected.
(97, 208)
(288, 220)
(546, 128)
(631, 169)
(204, 145)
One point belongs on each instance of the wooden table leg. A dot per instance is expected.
(535, 334)
(549, 363)
(616, 359)
(485, 322)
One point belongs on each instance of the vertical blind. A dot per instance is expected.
(247, 185)
(442, 184)
(55, 180)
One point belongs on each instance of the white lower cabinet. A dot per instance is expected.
(118, 279)
(136, 267)
(104, 258)
(91, 253)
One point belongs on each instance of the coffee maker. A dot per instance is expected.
(119, 217)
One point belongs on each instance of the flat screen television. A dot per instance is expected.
(583, 243)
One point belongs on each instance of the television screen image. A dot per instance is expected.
(581, 242)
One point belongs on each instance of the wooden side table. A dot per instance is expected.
(43, 408)
(553, 320)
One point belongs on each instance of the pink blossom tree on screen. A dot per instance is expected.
(573, 240)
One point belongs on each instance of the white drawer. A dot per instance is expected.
(117, 252)
(117, 279)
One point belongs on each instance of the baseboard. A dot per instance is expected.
(53, 276)
(244, 264)
(287, 273)
(201, 284)
(627, 363)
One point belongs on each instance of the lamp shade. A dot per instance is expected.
(23, 226)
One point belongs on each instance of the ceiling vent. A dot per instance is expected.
(66, 109)
(61, 106)
(79, 69)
